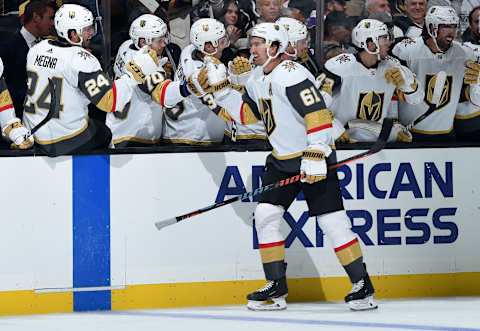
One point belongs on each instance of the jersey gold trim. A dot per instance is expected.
(247, 115)
(432, 132)
(318, 118)
(467, 116)
(189, 142)
(68, 136)
(135, 139)
(286, 156)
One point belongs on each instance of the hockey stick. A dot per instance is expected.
(377, 147)
(51, 109)
(437, 94)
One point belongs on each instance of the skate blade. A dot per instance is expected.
(363, 304)
(274, 304)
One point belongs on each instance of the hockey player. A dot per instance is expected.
(426, 56)
(467, 116)
(297, 51)
(195, 125)
(364, 83)
(299, 128)
(141, 123)
(12, 127)
(78, 80)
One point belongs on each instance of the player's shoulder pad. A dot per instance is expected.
(469, 52)
(305, 97)
(342, 64)
(391, 61)
(187, 62)
(84, 61)
(470, 47)
(288, 73)
(406, 45)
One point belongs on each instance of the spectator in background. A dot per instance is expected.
(412, 24)
(229, 16)
(377, 6)
(472, 34)
(338, 35)
(37, 24)
(301, 9)
(335, 5)
(380, 10)
(269, 10)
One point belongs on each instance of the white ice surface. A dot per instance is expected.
(422, 314)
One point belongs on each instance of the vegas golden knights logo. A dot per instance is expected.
(370, 106)
(267, 115)
(71, 14)
(446, 91)
(143, 23)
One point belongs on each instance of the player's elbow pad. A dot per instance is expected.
(106, 95)
(415, 97)
(475, 94)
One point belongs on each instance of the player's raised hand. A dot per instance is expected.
(239, 70)
(472, 73)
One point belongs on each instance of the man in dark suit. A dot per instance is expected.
(37, 23)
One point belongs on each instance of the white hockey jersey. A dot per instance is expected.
(195, 123)
(78, 79)
(467, 117)
(282, 99)
(426, 65)
(142, 119)
(363, 93)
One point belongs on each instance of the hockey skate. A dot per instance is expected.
(361, 295)
(270, 297)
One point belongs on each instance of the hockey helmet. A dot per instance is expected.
(296, 31)
(148, 27)
(73, 17)
(369, 30)
(437, 15)
(208, 30)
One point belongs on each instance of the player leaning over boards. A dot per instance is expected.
(141, 123)
(79, 80)
(362, 84)
(299, 128)
(12, 127)
(433, 52)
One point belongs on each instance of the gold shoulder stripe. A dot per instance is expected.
(318, 118)
(247, 115)
(107, 102)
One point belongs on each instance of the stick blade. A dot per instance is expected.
(164, 223)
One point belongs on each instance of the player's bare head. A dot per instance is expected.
(441, 23)
(373, 37)
(75, 24)
(209, 37)
(269, 10)
(39, 17)
(149, 30)
(267, 42)
(474, 21)
(297, 37)
(416, 9)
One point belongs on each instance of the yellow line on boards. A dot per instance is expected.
(29, 302)
(173, 295)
